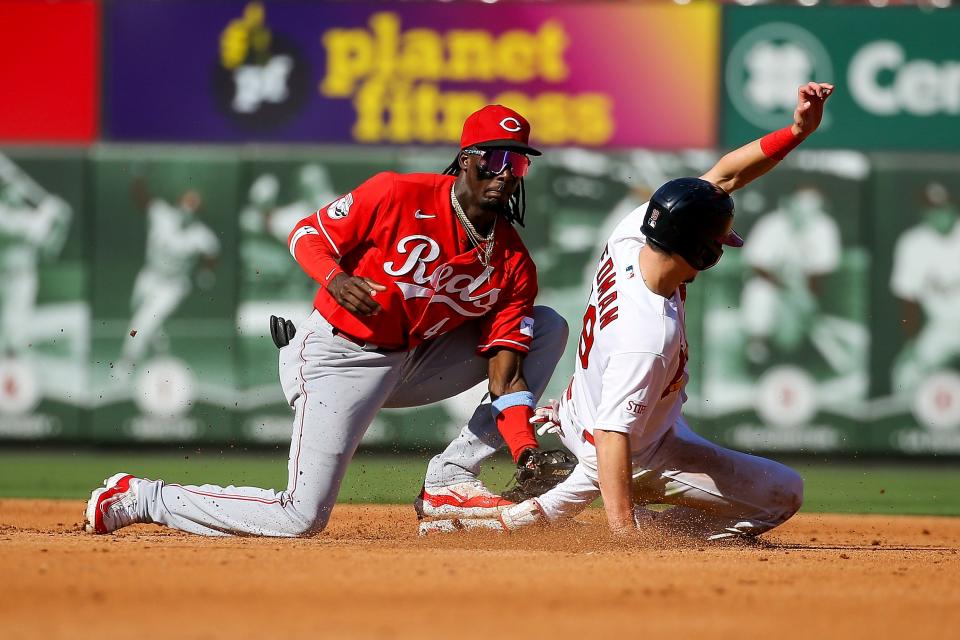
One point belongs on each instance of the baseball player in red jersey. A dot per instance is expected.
(426, 290)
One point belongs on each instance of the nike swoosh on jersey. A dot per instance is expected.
(420, 215)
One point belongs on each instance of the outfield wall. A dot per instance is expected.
(125, 317)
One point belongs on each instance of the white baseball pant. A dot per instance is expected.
(716, 492)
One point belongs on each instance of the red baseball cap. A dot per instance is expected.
(497, 127)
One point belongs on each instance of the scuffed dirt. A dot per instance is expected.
(370, 576)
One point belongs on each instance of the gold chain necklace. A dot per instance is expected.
(483, 253)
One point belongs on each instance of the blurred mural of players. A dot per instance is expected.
(135, 294)
(786, 338)
(164, 295)
(44, 318)
(926, 280)
(180, 250)
(275, 194)
(916, 304)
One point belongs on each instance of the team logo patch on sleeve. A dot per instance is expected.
(340, 208)
(526, 326)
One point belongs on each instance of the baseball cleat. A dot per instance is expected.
(455, 525)
(114, 505)
(464, 500)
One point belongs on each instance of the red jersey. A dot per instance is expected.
(401, 231)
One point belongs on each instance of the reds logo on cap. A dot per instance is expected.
(497, 127)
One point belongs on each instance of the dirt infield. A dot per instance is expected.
(369, 576)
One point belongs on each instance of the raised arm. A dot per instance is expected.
(744, 165)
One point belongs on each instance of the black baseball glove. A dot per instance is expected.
(539, 471)
(282, 331)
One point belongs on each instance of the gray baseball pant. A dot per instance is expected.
(335, 388)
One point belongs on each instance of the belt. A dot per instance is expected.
(367, 346)
(349, 338)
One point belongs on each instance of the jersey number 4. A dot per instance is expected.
(586, 336)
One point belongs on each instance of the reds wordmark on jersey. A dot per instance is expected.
(400, 231)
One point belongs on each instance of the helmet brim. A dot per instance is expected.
(732, 239)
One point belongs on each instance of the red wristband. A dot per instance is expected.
(779, 143)
(514, 425)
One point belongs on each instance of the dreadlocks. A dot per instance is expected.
(517, 205)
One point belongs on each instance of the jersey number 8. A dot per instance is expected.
(586, 336)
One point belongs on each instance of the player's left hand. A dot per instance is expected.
(547, 418)
(539, 471)
(809, 111)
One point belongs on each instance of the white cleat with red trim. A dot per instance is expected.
(511, 518)
(114, 505)
(463, 500)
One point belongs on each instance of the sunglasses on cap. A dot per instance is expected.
(494, 161)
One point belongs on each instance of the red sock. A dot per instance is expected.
(514, 425)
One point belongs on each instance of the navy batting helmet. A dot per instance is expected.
(692, 218)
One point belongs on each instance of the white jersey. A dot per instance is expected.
(175, 241)
(787, 247)
(631, 359)
(926, 270)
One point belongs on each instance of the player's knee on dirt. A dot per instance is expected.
(308, 522)
(786, 494)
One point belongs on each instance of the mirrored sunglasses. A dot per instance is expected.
(493, 161)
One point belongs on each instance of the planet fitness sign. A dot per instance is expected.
(408, 74)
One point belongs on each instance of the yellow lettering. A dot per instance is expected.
(426, 103)
(421, 55)
(516, 55)
(389, 52)
(243, 34)
(559, 118)
(455, 106)
(350, 58)
(551, 118)
(519, 102)
(368, 104)
(591, 117)
(385, 28)
(399, 116)
(470, 55)
(552, 44)
(233, 45)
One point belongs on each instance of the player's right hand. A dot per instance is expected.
(355, 294)
(809, 111)
(547, 418)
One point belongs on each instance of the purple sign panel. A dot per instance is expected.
(388, 73)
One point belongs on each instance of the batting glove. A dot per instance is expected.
(548, 418)
(520, 515)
